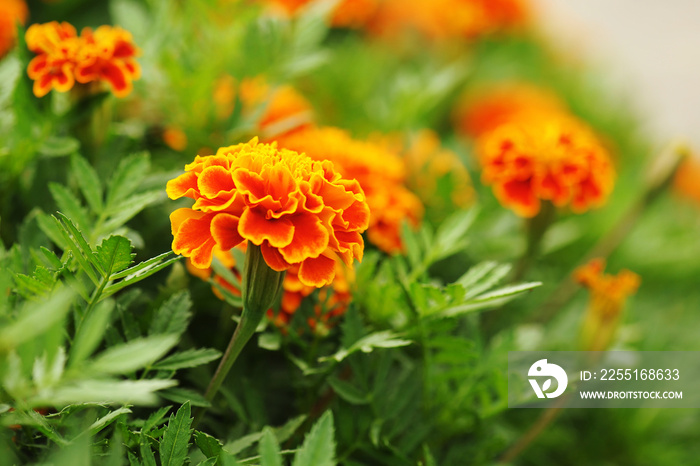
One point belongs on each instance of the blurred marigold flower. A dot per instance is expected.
(380, 172)
(107, 54)
(348, 13)
(477, 114)
(686, 182)
(608, 295)
(299, 211)
(175, 138)
(549, 156)
(11, 13)
(448, 19)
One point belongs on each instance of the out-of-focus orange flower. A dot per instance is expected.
(11, 13)
(283, 109)
(448, 19)
(56, 45)
(436, 174)
(608, 295)
(108, 54)
(686, 183)
(175, 138)
(477, 114)
(550, 157)
(224, 96)
(381, 174)
(348, 13)
(299, 211)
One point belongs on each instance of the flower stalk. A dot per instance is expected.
(261, 288)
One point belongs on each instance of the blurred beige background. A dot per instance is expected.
(651, 47)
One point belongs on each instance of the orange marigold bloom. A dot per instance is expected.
(686, 182)
(63, 58)
(348, 13)
(108, 54)
(57, 46)
(477, 114)
(300, 212)
(11, 13)
(550, 157)
(381, 174)
(608, 296)
(175, 138)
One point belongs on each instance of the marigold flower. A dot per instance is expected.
(477, 114)
(609, 294)
(57, 46)
(686, 182)
(380, 172)
(348, 13)
(549, 157)
(107, 54)
(175, 138)
(11, 13)
(299, 211)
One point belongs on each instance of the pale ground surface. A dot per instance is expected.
(651, 47)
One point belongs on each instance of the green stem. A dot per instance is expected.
(536, 228)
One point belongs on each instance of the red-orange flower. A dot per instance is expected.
(381, 174)
(57, 45)
(63, 58)
(348, 13)
(300, 212)
(609, 294)
(477, 114)
(551, 157)
(108, 54)
(686, 182)
(11, 13)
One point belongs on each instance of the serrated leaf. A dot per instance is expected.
(104, 421)
(189, 358)
(154, 419)
(69, 205)
(285, 432)
(127, 178)
(268, 449)
(149, 459)
(90, 332)
(210, 446)
(114, 255)
(119, 214)
(242, 443)
(173, 316)
(133, 355)
(88, 181)
(59, 146)
(507, 291)
(77, 243)
(490, 280)
(137, 392)
(318, 448)
(176, 438)
(142, 271)
(47, 224)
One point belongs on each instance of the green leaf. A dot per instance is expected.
(59, 146)
(133, 355)
(143, 267)
(268, 449)
(125, 210)
(189, 358)
(185, 395)
(149, 458)
(285, 432)
(35, 318)
(104, 421)
(90, 332)
(383, 339)
(137, 392)
(348, 392)
(318, 448)
(79, 246)
(176, 438)
(141, 271)
(154, 419)
(48, 225)
(242, 443)
(207, 444)
(69, 205)
(114, 255)
(495, 275)
(88, 181)
(173, 316)
(127, 178)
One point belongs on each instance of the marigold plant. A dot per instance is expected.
(381, 174)
(299, 211)
(105, 55)
(549, 157)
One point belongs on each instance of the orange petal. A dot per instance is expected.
(183, 185)
(256, 228)
(317, 271)
(193, 237)
(310, 238)
(273, 258)
(224, 230)
(215, 181)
